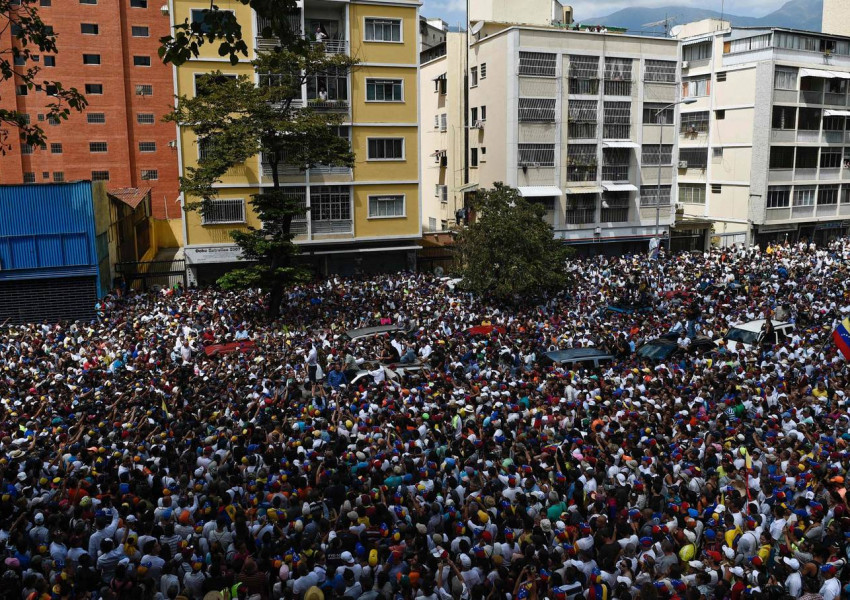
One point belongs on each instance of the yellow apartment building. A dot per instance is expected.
(360, 219)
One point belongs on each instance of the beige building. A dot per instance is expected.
(566, 116)
(762, 150)
(836, 17)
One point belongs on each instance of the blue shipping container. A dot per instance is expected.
(47, 231)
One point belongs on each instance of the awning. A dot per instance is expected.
(439, 77)
(626, 144)
(836, 113)
(587, 189)
(470, 187)
(539, 191)
(619, 187)
(825, 74)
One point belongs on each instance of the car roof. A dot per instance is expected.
(578, 354)
(756, 325)
(376, 330)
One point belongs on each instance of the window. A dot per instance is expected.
(150, 174)
(483, 113)
(810, 119)
(721, 77)
(540, 110)
(473, 115)
(784, 117)
(89, 28)
(94, 89)
(473, 77)
(696, 122)
(691, 193)
(584, 75)
(100, 175)
(719, 114)
(88, 1)
(223, 210)
(778, 196)
(22, 89)
(27, 119)
(145, 118)
(384, 90)
(138, 3)
(98, 147)
(26, 149)
(49, 61)
(53, 120)
(144, 89)
(147, 146)
(806, 158)
(537, 155)
(140, 31)
(785, 79)
(58, 176)
(830, 158)
(55, 148)
(755, 42)
(828, 194)
(697, 158)
(20, 60)
(582, 118)
(483, 70)
(473, 158)
(45, 3)
(205, 147)
(442, 192)
(386, 206)
(537, 64)
(795, 42)
(29, 177)
(45, 174)
(616, 120)
(717, 152)
(695, 88)
(581, 162)
(618, 76)
(698, 51)
(206, 83)
(658, 114)
(661, 71)
(386, 149)
(804, 195)
(141, 61)
(330, 203)
(650, 195)
(95, 118)
(716, 188)
(91, 59)
(651, 154)
(781, 157)
(441, 85)
(383, 30)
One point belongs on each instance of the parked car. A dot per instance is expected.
(364, 332)
(573, 357)
(664, 348)
(749, 335)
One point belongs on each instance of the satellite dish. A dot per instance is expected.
(476, 29)
(676, 30)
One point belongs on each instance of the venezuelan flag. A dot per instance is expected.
(841, 337)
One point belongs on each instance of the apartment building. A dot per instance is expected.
(580, 121)
(765, 149)
(108, 51)
(359, 219)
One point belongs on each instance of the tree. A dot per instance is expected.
(31, 36)
(235, 120)
(509, 251)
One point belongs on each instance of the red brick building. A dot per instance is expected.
(108, 51)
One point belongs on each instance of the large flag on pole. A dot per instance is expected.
(841, 337)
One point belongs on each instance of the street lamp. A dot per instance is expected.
(689, 100)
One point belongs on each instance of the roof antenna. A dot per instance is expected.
(722, 8)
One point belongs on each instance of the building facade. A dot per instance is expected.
(765, 150)
(586, 128)
(360, 219)
(108, 51)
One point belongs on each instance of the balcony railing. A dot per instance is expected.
(328, 105)
(811, 97)
(808, 136)
(617, 131)
(615, 173)
(337, 226)
(577, 131)
(834, 99)
(615, 214)
(581, 173)
(333, 46)
(579, 216)
(833, 137)
(802, 212)
(618, 88)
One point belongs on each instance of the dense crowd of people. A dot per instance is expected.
(291, 465)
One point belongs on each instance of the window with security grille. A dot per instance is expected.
(653, 154)
(541, 155)
(584, 74)
(779, 196)
(384, 90)
(483, 70)
(330, 203)
(660, 71)
(827, 195)
(145, 118)
(150, 174)
(100, 175)
(383, 30)
(537, 64)
(831, 158)
(58, 176)
(618, 76)
(386, 149)
(650, 195)
(692, 193)
(696, 122)
(144, 89)
(539, 110)
(697, 158)
(784, 117)
(95, 118)
(658, 113)
(581, 162)
(386, 206)
(223, 210)
(616, 120)
(582, 117)
(615, 164)
(698, 51)
(147, 146)
(581, 208)
(804, 195)
(617, 210)
(98, 147)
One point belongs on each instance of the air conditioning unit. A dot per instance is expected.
(680, 206)
(683, 164)
(685, 65)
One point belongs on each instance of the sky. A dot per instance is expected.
(452, 11)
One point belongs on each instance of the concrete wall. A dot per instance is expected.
(836, 17)
(525, 12)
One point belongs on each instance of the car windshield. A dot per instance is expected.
(656, 351)
(742, 335)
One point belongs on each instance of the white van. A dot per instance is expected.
(749, 335)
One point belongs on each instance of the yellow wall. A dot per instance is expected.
(366, 227)
(220, 234)
(182, 12)
(406, 52)
(169, 232)
(383, 112)
(385, 170)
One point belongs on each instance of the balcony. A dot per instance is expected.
(579, 173)
(615, 173)
(618, 88)
(581, 131)
(266, 43)
(332, 46)
(580, 215)
(328, 105)
(615, 214)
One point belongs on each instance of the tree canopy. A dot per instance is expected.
(509, 251)
(31, 37)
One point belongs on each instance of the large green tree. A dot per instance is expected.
(509, 251)
(235, 120)
(31, 37)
